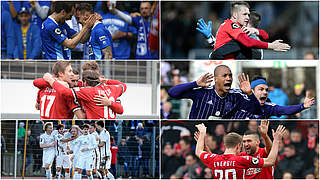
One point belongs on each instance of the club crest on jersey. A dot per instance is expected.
(235, 26)
(57, 31)
(210, 102)
(255, 161)
(217, 113)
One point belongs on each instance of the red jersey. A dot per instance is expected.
(114, 150)
(229, 166)
(86, 96)
(259, 173)
(54, 105)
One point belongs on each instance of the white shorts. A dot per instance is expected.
(63, 161)
(107, 164)
(47, 158)
(85, 163)
(74, 161)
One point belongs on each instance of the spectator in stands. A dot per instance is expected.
(184, 147)
(119, 29)
(7, 35)
(312, 136)
(298, 142)
(287, 175)
(123, 156)
(39, 11)
(28, 42)
(278, 97)
(132, 144)
(219, 133)
(291, 162)
(207, 173)
(114, 151)
(253, 125)
(211, 142)
(167, 111)
(21, 134)
(146, 154)
(169, 161)
(31, 144)
(309, 55)
(191, 169)
(140, 130)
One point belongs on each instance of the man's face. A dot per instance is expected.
(145, 9)
(99, 128)
(295, 137)
(24, 18)
(60, 130)
(74, 81)
(288, 152)
(49, 129)
(242, 16)
(82, 16)
(312, 131)
(167, 150)
(261, 92)
(67, 76)
(85, 131)
(253, 125)
(223, 79)
(190, 161)
(220, 130)
(250, 144)
(92, 129)
(184, 146)
(74, 131)
(68, 16)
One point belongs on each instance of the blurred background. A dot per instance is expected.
(296, 23)
(288, 82)
(135, 147)
(298, 156)
(18, 95)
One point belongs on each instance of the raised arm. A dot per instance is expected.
(196, 137)
(277, 137)
(263, 129)
(122, 15)
(200, 143)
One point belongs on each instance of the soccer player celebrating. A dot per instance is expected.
(218, 101)
(57, 37)
(74, 148)
(104, 148)
(63, 158)
(229, 165)
(86, 95)
(260, 89)
(48, 143)
(230, 34)
(96, 152)
(55, 105)
(86, 143)
(100, 43)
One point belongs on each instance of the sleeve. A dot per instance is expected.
(135, 21)
(263, 34)
(61, 89)
(70, 32)
(252, 105)
(116, 82)
(103, 138)
(285, 110)
(38, 96)
(250, 162)
(36, 50)
(41, 139)
(55, 32)
(116, 107)
(102, 38)
(40, 83)
(183, 90)
(120, 89)
(42, 10)
(234, 30)
(244, 39)
(207, 158)
(132, 29)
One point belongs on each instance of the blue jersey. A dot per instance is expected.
(207, 104)
(100, 38)
(114, 24)
(270, 109)
(52, 36)
(143, 49)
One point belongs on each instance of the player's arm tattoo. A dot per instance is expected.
(107, 53)
(86, 37)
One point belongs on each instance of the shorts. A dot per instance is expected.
(85, 162)
(63, 161)
(96, 160)
(47, 158)
(105, 164)
(74, 161)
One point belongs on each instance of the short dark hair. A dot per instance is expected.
(191, 153)
(290, 146)
(60, 66)
(100, 123)
(90, 65)
(235, 6)
(85, 126)
(93, 124)
(185, 139)
(215, 72)
(295, 131)
(85, 7)
(255, 19)
(60, 126)
(91, 77)
(75, 71)
(250, 132)
(63, 5)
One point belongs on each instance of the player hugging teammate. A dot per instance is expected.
(86, 149)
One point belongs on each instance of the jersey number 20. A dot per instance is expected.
(226, 173)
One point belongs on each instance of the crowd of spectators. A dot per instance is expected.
(298, 156)
(21, 25)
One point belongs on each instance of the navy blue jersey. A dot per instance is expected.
(207, 104)
(52, 35)
(100, 38)
(271, 109)
(114, 24)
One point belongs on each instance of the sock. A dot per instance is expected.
(110, 176)
(48, 173)
(58, 175)
(67, 176)
(90, 177)
(98, 174)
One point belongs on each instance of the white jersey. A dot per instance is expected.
(104, 136)
(61, 148)
(86, 141)
(47, 140)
